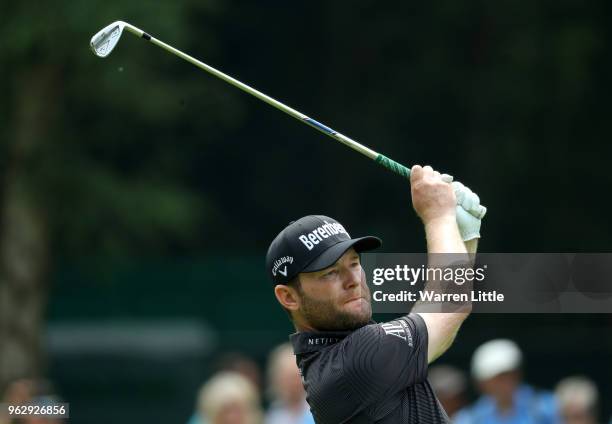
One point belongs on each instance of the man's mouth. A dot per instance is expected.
(354, 299)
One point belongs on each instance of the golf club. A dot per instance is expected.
(105, 40)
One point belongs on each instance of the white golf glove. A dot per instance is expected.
(469, 211)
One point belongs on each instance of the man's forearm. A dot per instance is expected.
(445, 248)
(436, 204)
(443, 236)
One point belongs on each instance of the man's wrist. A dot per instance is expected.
(443, 236)
(436, 223)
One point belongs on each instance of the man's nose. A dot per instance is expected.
(351, 278)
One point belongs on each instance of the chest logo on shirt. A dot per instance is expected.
(312, 341)
(398, 329)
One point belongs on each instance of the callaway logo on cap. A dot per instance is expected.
(311, 243)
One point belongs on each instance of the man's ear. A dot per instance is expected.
(287, 297)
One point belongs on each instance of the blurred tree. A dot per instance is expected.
(95, 154)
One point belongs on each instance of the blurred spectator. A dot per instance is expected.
(239, 363)
(229, 398)
(19, 392)
(287, 395)
(450, 385)
(577, 398)
(242, 364)
(34, 391)
(496, 368)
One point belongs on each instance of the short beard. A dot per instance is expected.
(323, 316)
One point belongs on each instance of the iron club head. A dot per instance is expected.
(105, 40)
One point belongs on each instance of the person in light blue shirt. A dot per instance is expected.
(496, 368)
(309, 419)
(285, 389)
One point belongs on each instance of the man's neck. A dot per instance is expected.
(301, 326)
(304, 328)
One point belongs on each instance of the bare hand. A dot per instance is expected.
(432, 197)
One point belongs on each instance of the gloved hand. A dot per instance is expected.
(469, 211)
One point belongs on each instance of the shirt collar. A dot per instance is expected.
(315, 341)
(312, 341)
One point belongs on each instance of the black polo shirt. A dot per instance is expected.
(375, 374)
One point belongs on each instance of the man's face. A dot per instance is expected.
(336, 298)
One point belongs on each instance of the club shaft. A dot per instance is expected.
(388, 163)
(272, 102)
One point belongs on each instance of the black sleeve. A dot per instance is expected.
(382, 359)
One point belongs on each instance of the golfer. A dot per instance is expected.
(353, 369)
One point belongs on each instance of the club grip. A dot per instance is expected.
(392, 165)
(400, 169)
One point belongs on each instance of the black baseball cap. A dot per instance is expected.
(311, 243)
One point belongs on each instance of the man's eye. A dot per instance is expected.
(330, 273)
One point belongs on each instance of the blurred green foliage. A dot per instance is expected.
(111, 166)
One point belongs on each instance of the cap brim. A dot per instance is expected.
(332, 254)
